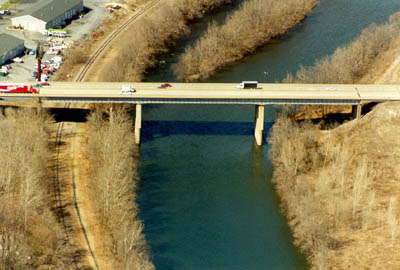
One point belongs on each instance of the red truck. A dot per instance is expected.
(18, 88)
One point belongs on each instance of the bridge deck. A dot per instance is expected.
(210, 93)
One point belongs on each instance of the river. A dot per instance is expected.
(206, 197)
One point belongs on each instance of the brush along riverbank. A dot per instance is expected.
(339, 184)
(112, 185)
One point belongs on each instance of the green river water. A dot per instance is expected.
(206, 197)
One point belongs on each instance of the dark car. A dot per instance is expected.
(165, 85)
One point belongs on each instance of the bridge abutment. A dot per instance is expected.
(138, 123)
(259, 124)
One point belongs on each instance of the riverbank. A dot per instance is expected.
(111, 188)
(253, 25)
(339, 185)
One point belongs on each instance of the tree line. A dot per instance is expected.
(30, 235)
(113, 181)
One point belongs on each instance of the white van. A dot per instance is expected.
(127, 90)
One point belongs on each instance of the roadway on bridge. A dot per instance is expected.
(218, 92)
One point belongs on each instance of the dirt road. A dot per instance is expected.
(392, 74)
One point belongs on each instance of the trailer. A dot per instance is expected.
(56, 32)
(18, 88)
(247, 85)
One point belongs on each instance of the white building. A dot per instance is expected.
(52, 15)
(10, 47)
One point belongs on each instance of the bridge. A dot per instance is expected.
(210, 93)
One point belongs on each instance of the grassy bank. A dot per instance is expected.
(113, 182)
(254, 24)
(339, 186)
(153, 36)
(30, 236)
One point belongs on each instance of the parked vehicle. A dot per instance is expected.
(247, 85)
(127, 90)
(17, 60)
(56, 32)
(3, 72)
(18, 88)
(5, 12)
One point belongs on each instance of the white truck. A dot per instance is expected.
(247, 85)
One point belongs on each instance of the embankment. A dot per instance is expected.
(154, 35)
(253, 25)
(32, 235)
(112, 183)
(339, 186)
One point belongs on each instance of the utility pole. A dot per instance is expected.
(39, 56)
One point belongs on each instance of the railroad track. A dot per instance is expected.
(81, 76)
(58, 190)
(96, 54)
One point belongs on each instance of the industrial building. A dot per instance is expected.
(10, 47)
(51, 15)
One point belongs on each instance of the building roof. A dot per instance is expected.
(8, 42)
(54, 9)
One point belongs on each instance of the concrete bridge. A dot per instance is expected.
(209, 93)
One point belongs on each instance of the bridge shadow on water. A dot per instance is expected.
(158, 129)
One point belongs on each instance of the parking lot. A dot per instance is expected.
(77, 31)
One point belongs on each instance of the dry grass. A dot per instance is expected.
(30, 236)
(113, 180)
(254, 24)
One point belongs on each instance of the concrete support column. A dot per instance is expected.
(259, 124)
(138, 123)
(356, 111)
(39, 107)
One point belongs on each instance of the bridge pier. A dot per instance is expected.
(39, 107)
(259, 124)
(138, 123)
(356, 111)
